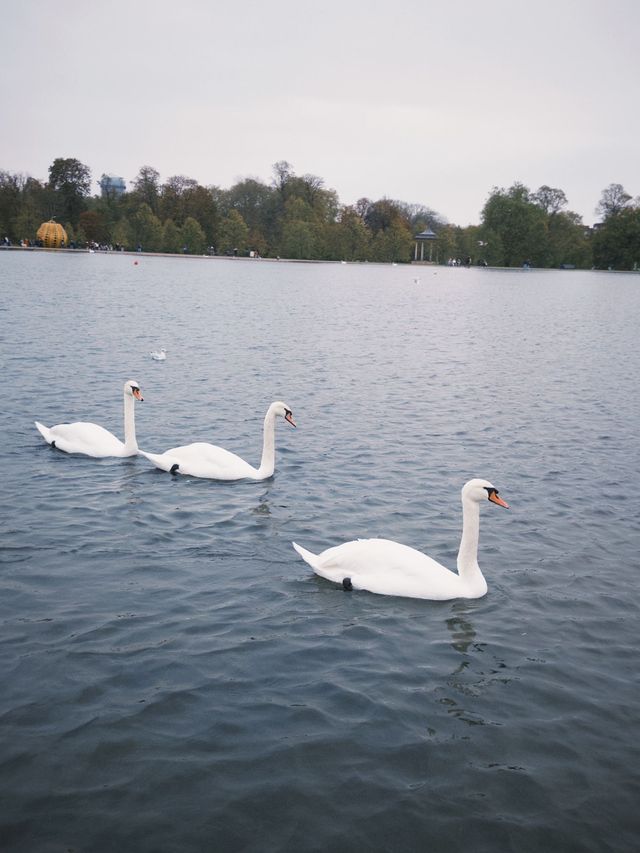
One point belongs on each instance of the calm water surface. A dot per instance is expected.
(174, 677)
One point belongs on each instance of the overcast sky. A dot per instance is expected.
(428, 102)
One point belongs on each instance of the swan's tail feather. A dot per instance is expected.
(160, 460)
(307, 556)
(331, 571)
(44, 431)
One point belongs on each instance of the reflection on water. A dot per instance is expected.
(262, 507)
(462, 680)
(463, 714)
(477, 674)
(460, 626)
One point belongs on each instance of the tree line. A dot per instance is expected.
(297, 216)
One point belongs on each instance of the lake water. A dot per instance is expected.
(175, 678)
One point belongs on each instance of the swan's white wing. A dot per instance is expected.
(386, 568)
(83, 437)
(204, 460)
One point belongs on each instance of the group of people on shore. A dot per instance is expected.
(458, 262)
(24, 244)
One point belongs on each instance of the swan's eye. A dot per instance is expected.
(491, 491)
(288, 413)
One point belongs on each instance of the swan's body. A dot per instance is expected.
(93, 439)
(159, 355)
(389, 568)
(216, 463)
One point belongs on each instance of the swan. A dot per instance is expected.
(216, 463)
(389, 568)
(159, 355)
(94, 440)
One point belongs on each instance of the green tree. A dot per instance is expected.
(71, 182)
(193, 237)
(568, 241)
(298, 239)
(550, 199)
(259, 206)
(172, 241)
(10, 203)
(26, 224)
(469, 244)
(94, 226)
(121, 234)
(146, 188)
(258, 243)
(71, 233)
(110, 209)
(172, 197)
(310, 189)
(76, 234)
(390, 228)
(567, 244)
(517, 224)
(146, 230)
(616, 244)
(199, 203)
(299, 199)
(490, 248)
(297, 209)
(282, 174)
(234, 234)
(299, 230)
(395, 243)
(347, 239)
(382, 214)
(612, 201)
(446, 244)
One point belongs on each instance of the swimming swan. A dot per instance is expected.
(159, 355)
(94, 440)
(216, 463)
(389, 568)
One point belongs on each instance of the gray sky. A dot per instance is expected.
(428, 102)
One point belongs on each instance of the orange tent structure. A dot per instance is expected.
(52, 234)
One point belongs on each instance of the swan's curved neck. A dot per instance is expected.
(268, 461)
(130, 442)
(468, 567)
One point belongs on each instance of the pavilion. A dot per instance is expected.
(426, 236)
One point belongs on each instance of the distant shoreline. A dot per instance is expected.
(136, 254)
(428, 264)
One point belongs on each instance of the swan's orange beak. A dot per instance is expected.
(136, 393)
(495, 498)
(289, 418)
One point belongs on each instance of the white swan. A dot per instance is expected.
(94, 440)
(389, 568)
(159, 355)
(216, 463)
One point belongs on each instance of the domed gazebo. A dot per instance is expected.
(52, 234)
(426, 236)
